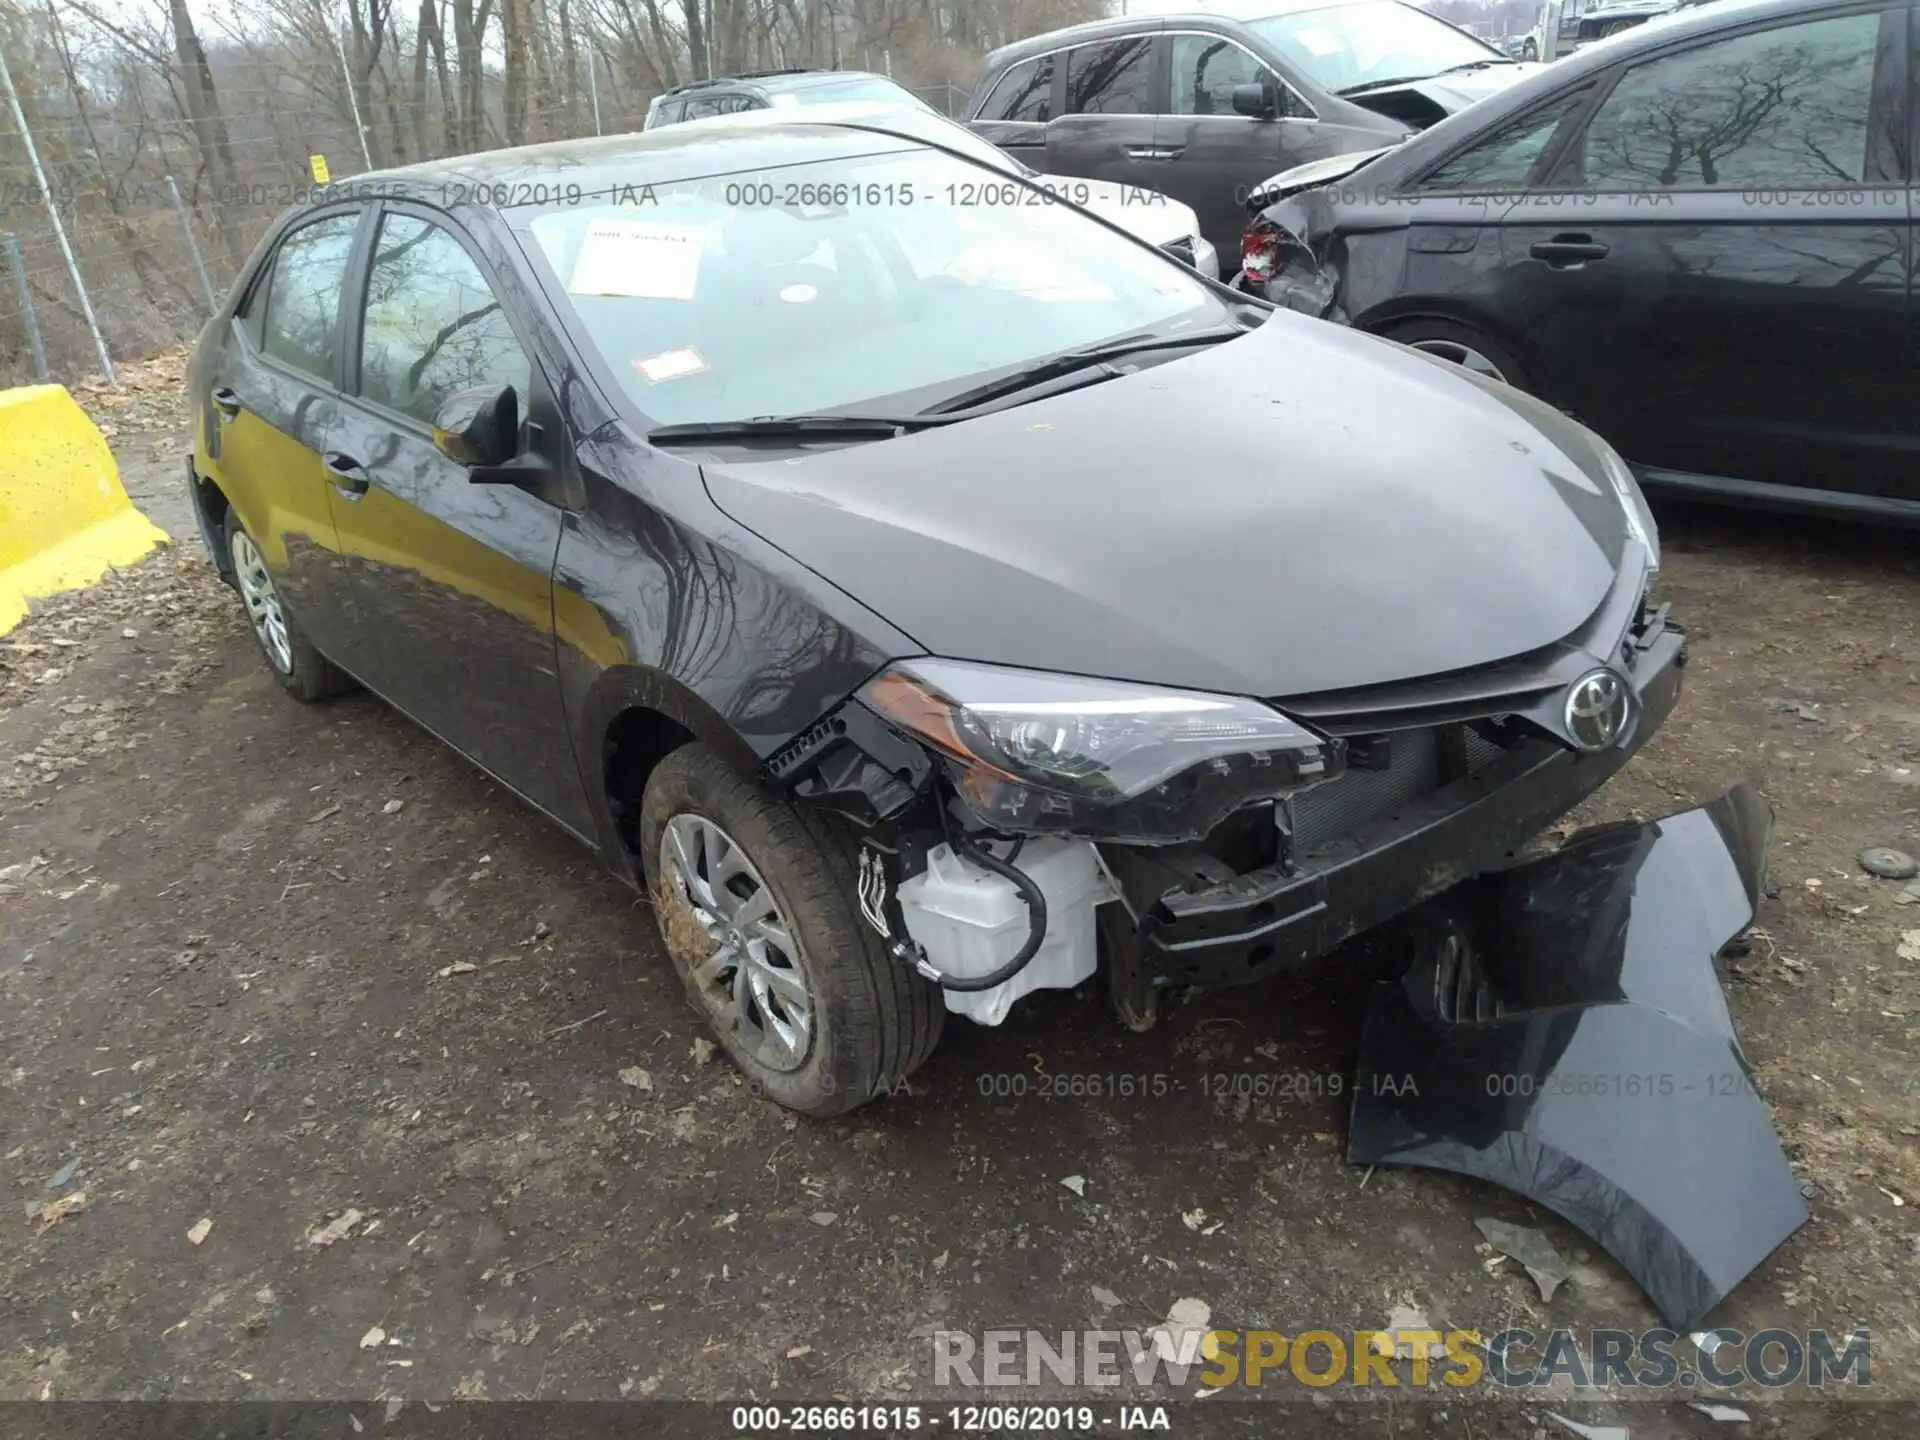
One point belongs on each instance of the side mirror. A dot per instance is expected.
(479, 428)
(1257, 98)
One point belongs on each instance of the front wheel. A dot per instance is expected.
(756, 902)
(1464, 346)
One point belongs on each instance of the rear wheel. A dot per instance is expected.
(756, 902)
(303, 672)
(1464, 346)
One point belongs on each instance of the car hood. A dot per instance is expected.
(1450, 93)
(1146, 214)
(1314, 172)
(1237, 520)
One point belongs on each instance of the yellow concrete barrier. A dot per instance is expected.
(64, 518)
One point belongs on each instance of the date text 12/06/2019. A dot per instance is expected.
(948, 1419)
(1008, 194)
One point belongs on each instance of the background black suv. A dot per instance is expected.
(767, 89)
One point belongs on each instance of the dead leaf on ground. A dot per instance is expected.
(336, 1229)
(54, 1211)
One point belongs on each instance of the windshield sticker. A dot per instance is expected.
(639, 259)
(670, 365)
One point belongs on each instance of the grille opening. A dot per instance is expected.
(1416, 763)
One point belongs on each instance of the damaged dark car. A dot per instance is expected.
(925, 602)
(1697, 237)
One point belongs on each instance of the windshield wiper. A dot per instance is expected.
(803, 427)
(1094, 357)
(1416, 79)
(948, 411)
(1382, 84)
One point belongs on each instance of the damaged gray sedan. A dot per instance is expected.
(929, 600)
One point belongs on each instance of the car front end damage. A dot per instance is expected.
(1232, 838)
(1024, 831)
(1290, 252)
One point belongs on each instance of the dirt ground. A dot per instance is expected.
(278, 968)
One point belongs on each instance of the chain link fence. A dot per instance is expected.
(124, 214)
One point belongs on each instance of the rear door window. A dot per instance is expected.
(1024, 93)
(1115, 78)
(1785, 108)
(301, 325)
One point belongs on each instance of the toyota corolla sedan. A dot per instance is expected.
(926, 592)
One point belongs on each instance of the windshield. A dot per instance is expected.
(1345, 47)
(876, 282)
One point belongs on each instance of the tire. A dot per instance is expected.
(869, 1020)
(1472, 349)
(303, 672)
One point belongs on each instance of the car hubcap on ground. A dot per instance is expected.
(1465, 356)
(741, 958)
(262, 601)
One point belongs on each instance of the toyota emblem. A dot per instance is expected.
(1599, 705)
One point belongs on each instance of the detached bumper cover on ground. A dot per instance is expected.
(1565, 1035)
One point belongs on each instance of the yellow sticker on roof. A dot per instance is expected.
(639, 259)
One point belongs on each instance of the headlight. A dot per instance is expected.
(1036, 753)
(1640, 521)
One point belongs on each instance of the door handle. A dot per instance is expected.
(1566, 251)
(227, 402)
(349, 476)
(1153, 152)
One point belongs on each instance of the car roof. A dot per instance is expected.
(896, 115)
(530, 174)
(1149, 15)
(769, 81)
(890, 116)
(1675, 27)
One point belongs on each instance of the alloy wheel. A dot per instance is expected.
(262, 601)
(751, 978)
(1465, 356)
